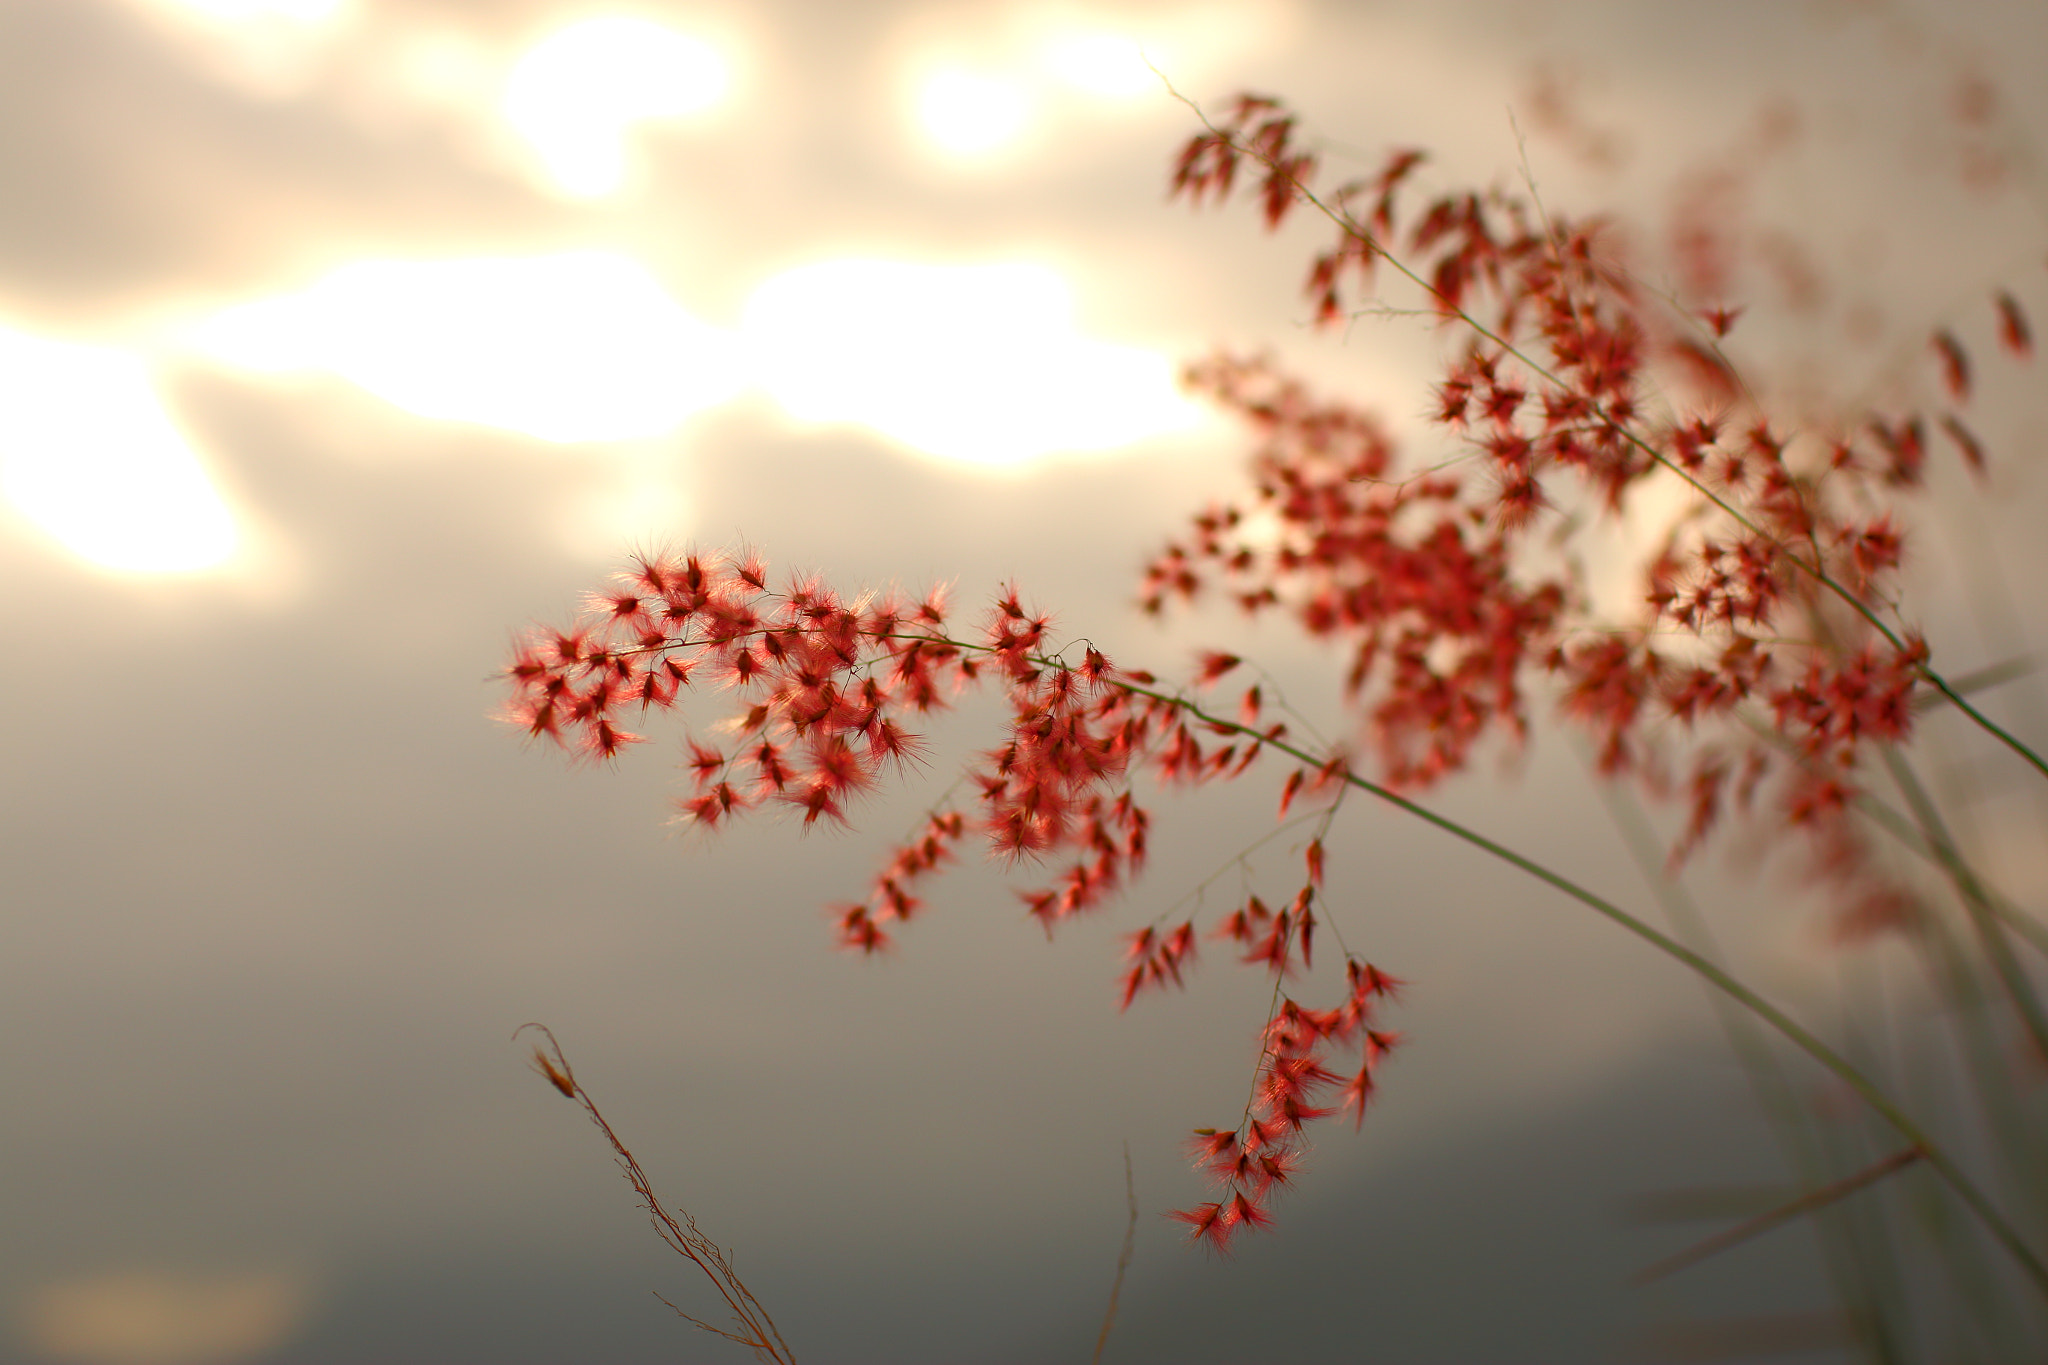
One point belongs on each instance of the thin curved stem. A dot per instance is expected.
(1977, 899)
(1801, 1037)
(1855, 1266)
(1784, 1024)
(677, 1228)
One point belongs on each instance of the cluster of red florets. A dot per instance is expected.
(822, 694)
(822, 683)
(1767, 609)
(1294, 1079)
(826, 694)
(1436, 625)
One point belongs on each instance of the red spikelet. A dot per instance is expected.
(1208, 1224)
(1356, 1094)
(2013, 333)
(1955, 365)
(1291, 788)
(1966, 441)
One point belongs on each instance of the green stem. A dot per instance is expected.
(1864, 1274)
(1902, 829)
(1794, 1032)
(1909, 836)
(1763, 1009)
(1784, 1024)
(1959, 985)
(1976, 899)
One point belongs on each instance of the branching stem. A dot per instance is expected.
(677, 1228)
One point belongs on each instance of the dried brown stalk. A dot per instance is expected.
(757, 1330)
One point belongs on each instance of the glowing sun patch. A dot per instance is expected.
(974, 363)
(576, 96)
(88, 453)
(583, 346)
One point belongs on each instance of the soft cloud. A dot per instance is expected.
(270, 48)
(982, 91)
(245, 11)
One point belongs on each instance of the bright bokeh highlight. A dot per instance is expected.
(1104, 64)
(149, 1317)
(980, 363)
(581, 346)
(969, 114)
(974, 363)
(577, 95)
(88, 453)
(971, 108)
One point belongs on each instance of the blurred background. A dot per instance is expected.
(339, 339)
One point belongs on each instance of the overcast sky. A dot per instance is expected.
(339, 339)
